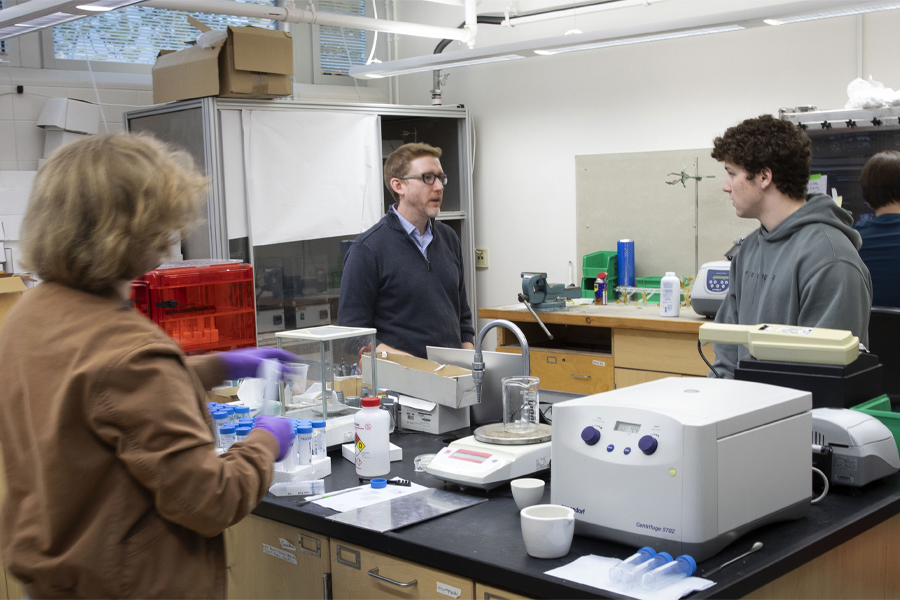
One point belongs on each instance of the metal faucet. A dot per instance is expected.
(478, 362)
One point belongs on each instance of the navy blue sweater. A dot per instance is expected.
(412, 301)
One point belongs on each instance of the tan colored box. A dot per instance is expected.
(351, 385)
(250, 63)
(11, 288)
(446, 385)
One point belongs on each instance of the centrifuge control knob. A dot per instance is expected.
(648, 444)
(590, 435)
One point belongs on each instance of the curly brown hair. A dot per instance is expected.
(880, 179)
(765, 141)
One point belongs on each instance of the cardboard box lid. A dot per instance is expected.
(70, 115)
(447, 385)
(189, 73)
(262, 50)
(10, 284)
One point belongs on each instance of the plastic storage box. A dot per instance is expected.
(204, 305)
(885, 411)
(329, 381)
(599, 262)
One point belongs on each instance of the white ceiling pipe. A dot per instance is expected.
(471, 22)
(579, 11)
(297, 15)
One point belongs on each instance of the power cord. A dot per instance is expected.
(825, 491)
(711, 368)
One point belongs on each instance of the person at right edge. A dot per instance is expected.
(802, 265)
(114, 488)
(880, 181)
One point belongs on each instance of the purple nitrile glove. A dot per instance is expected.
(245, 362)
(281, 429)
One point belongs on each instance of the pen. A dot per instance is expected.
(334, 493)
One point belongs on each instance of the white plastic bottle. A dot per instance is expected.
(304, 444)
(617, 573)
(320, 450)
(227, 435)
(633, 577)
(298, 488)
(681, 567)
(289, 462)
(670, 296)
(373, 455)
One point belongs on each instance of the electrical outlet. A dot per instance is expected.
(481, 258)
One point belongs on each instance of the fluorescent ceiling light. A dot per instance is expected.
(640, 40)
(578, 11)
(39, 14)
(843, 12)
(449, 65)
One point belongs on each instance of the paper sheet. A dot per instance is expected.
(593, 571)
(366, 496)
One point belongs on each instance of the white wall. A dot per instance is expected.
(534, 116)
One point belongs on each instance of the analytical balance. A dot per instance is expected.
(683, 465)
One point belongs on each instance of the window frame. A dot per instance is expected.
(320, 78)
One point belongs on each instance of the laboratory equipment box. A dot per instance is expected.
(832, 386)
(682, 465)
(328, 361)
(204, 305)
(448, 385)
(422, 415)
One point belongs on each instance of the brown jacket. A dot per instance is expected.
(115, 489)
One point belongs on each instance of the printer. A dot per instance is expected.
(684, 465)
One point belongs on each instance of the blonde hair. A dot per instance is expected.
(397, 163)
(103, 209)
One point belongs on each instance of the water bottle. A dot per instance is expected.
(617, 573)
(670, 296)
(298, 488)
(320, 450)
(373, 457)
(681, 567)
(227, 435)
(220, 417)
(632, 577)
(304, 444)
(242, 433)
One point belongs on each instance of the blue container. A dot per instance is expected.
(625, 259)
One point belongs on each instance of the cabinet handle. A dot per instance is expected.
(580, 376)
(374, 573)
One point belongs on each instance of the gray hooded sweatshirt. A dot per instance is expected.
(806, 271)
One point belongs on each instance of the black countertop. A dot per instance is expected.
(484, 542)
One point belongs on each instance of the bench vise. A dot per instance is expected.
(545, 296)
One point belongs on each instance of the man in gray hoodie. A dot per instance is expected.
(802, 266)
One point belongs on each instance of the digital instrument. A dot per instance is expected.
(852, 448)
(710, 287)
(787, 343)
(471, 463)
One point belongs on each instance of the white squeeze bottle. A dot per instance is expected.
(373, 454)
(670, 296)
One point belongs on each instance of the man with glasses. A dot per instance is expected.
(404, 276)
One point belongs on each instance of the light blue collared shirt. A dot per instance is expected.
(421, 240)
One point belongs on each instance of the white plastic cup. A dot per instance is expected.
(296, 377)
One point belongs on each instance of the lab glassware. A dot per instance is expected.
(617, 573)
(681, 567)
(520, 403)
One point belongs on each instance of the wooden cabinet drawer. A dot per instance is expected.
(660, 351)
(268, 559)
(628, 377)
(355, 573)
(489, 592)
(570, 370)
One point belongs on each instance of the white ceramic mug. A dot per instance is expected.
(527, 492)
(548, 530)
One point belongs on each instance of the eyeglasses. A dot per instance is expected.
(428, 178)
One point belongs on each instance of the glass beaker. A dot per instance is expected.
(520, 404)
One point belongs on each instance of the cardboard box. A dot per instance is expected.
(11, 288)
(446, 385)
(250, 63)
(223, 395)
(421, 415)
(66, 114)
(54, 138)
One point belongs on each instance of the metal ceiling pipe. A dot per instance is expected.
(471, 22)
(297, 15)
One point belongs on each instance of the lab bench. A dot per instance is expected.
(842, 549)
(596, 348)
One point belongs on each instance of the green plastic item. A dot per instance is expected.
(603, 261)
(882, 409)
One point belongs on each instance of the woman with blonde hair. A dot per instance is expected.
(114, 486)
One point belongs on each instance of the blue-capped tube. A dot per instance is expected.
(632, 577)
(681, 567)
(617, 573)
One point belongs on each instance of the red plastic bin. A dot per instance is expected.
(205, 306)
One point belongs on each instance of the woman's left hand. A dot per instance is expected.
(245, 362)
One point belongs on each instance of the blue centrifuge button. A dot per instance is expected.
(610, 448)
(590, 435)
(648, 444)
(627, 451)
